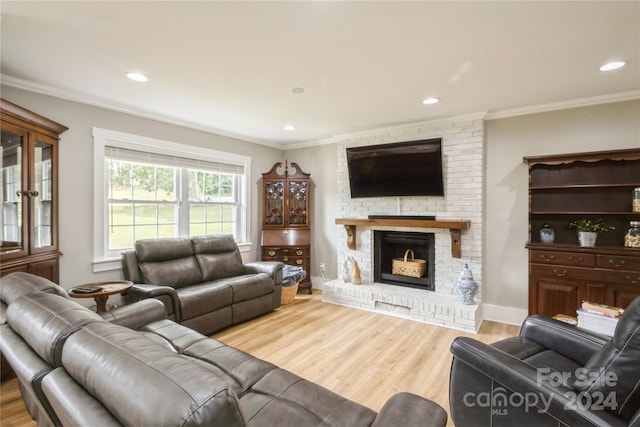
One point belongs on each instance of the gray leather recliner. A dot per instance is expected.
(552, 374)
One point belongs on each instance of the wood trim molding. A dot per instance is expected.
(455, 228)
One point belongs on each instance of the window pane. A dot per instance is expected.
(166, 183)
(167, 214)
(196, 213)
(197, 229)
(146, 232)
(143, 182)
(228, 213)
(213, 213)
(227, 228)
(120, 214)
(167, 231)
(145, 214)
(120, 237)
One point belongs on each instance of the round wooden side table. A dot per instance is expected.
(107, 288)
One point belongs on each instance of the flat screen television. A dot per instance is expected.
(412, 168)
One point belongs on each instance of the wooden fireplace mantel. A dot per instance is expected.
(455, 228)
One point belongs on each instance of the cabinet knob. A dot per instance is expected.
(272, 253)
(547, 257)
(571, 258)
(299, 261)
(560, 273)
(285, 259)
(617, 263)
(631, 279)
(299, 252)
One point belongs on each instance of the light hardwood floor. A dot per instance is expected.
(363, 356)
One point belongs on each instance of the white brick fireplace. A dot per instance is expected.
(463, 163)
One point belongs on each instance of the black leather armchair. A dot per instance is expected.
(552, 374)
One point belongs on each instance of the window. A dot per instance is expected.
(152, 189)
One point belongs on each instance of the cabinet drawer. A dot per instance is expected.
(559, 272)
(618, 262)
(562, 258)
(276, 252)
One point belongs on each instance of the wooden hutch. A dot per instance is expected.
(29, 192)
(286, 219)
(564, 188)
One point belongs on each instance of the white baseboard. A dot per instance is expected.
(502, 314)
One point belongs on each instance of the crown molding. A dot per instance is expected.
(110, 105)
(564, 105)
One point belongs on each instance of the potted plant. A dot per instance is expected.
(588, 230)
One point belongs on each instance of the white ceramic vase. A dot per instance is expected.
(587, 238)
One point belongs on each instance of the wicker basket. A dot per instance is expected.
(289, 293)
(408, 267)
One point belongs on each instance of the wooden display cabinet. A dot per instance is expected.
(29, 192)
(286, 219)
(563, 188)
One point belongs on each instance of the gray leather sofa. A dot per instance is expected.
(552, 374)
(84, 370)
(202, 280)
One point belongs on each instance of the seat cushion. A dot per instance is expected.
(281, 398)
(250, 286)
(204, 298)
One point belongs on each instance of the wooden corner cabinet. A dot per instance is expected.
(562, 189)
(29, 192)
(286, 220)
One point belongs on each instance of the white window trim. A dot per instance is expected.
(106, 137)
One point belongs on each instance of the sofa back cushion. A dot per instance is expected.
(168, 262)
(45, 321)
(15, 285)
(218, 256)
(142, 383)
(612, 373)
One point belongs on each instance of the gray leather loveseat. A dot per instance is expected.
(84, 370)
(202, 280)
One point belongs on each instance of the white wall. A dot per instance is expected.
(594, 128)
(76, 172)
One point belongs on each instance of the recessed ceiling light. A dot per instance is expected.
(612, 66)
(431, 100)
(138, 77)
(289, 128)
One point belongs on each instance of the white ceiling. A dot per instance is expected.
(229, 67)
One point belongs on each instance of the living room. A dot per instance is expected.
(495, 244)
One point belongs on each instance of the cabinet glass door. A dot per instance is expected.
(41, 195)
(297, 203)
(274, 204)
(12, 183)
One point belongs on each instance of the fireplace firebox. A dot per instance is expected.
(393, 244)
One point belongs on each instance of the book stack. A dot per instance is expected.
(598, 318)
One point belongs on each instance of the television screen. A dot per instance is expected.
(411, 168)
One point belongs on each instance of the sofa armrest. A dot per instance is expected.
(272, 268)
(530, 383)
(137, 315)
(141, 291)
(576, 344)
(407, 409)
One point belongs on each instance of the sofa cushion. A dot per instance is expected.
(281, 398)
(17, 284)
(164, 249)
(45, 321)
(250, 286)
(203, 298)
(218, 256)
(143, 384)
(176, 273)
